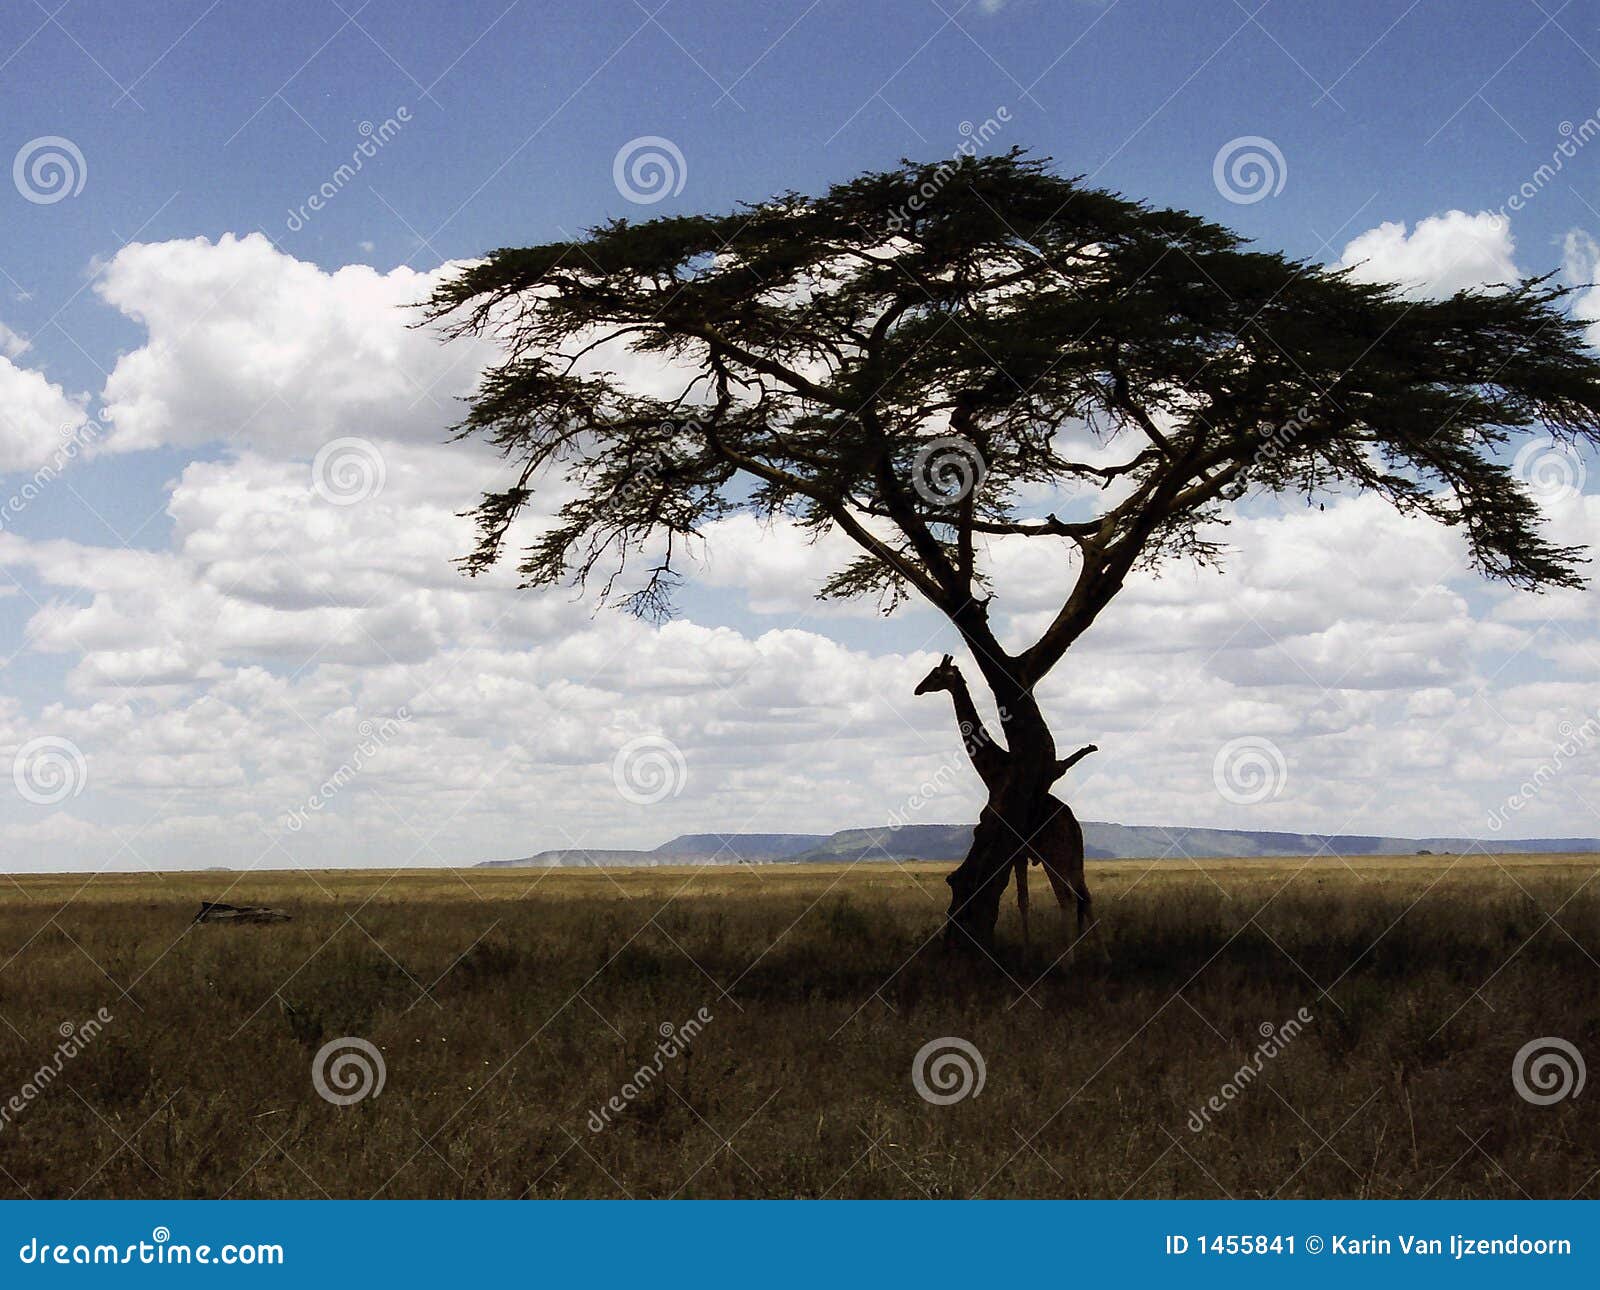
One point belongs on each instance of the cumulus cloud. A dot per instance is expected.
(1581, 263)
(216, 682)
(253, 348)
(778, 567)
(224, 678)
(1443, 254)
(37, 417)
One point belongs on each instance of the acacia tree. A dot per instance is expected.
(900, 358)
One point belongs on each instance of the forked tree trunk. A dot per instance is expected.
(1018, 806)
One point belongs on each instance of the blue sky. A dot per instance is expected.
(201, 119)
(198, 709)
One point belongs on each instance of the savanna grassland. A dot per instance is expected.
(509, 1006)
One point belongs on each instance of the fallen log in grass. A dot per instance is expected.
(216, 912)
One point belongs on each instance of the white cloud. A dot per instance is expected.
(778, 567)
(1581, 261)
(37, 417)
(214, 683)
(1443, 254)
(251, 347)
(11, 344)
(222, 680)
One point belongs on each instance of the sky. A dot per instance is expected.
(231, 629)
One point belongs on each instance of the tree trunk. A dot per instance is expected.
(1018, 806)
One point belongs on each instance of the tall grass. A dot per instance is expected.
(510, 1007)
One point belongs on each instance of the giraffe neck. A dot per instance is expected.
(967, 711)
(986, 755)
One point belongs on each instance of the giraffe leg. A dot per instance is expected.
(1022, 895)
(1087, 922)
(1070, 856)
(1060, 886)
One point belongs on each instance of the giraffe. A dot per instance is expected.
(1058, 844)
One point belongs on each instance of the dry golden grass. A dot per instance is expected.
(508, 1005)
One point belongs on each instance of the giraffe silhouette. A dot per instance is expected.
(1057, 845)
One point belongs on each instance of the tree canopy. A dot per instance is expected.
(902, 357)
(916, 356)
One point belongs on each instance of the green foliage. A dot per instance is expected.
(1062, 333)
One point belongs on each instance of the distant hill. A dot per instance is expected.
(749, 846)
(686, 848)
(908, 842)
(572, 856)
(1102, 841)
(950, 841)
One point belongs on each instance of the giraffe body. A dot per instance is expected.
(1057, 845)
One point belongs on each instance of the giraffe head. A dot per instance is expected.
(945, 676)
